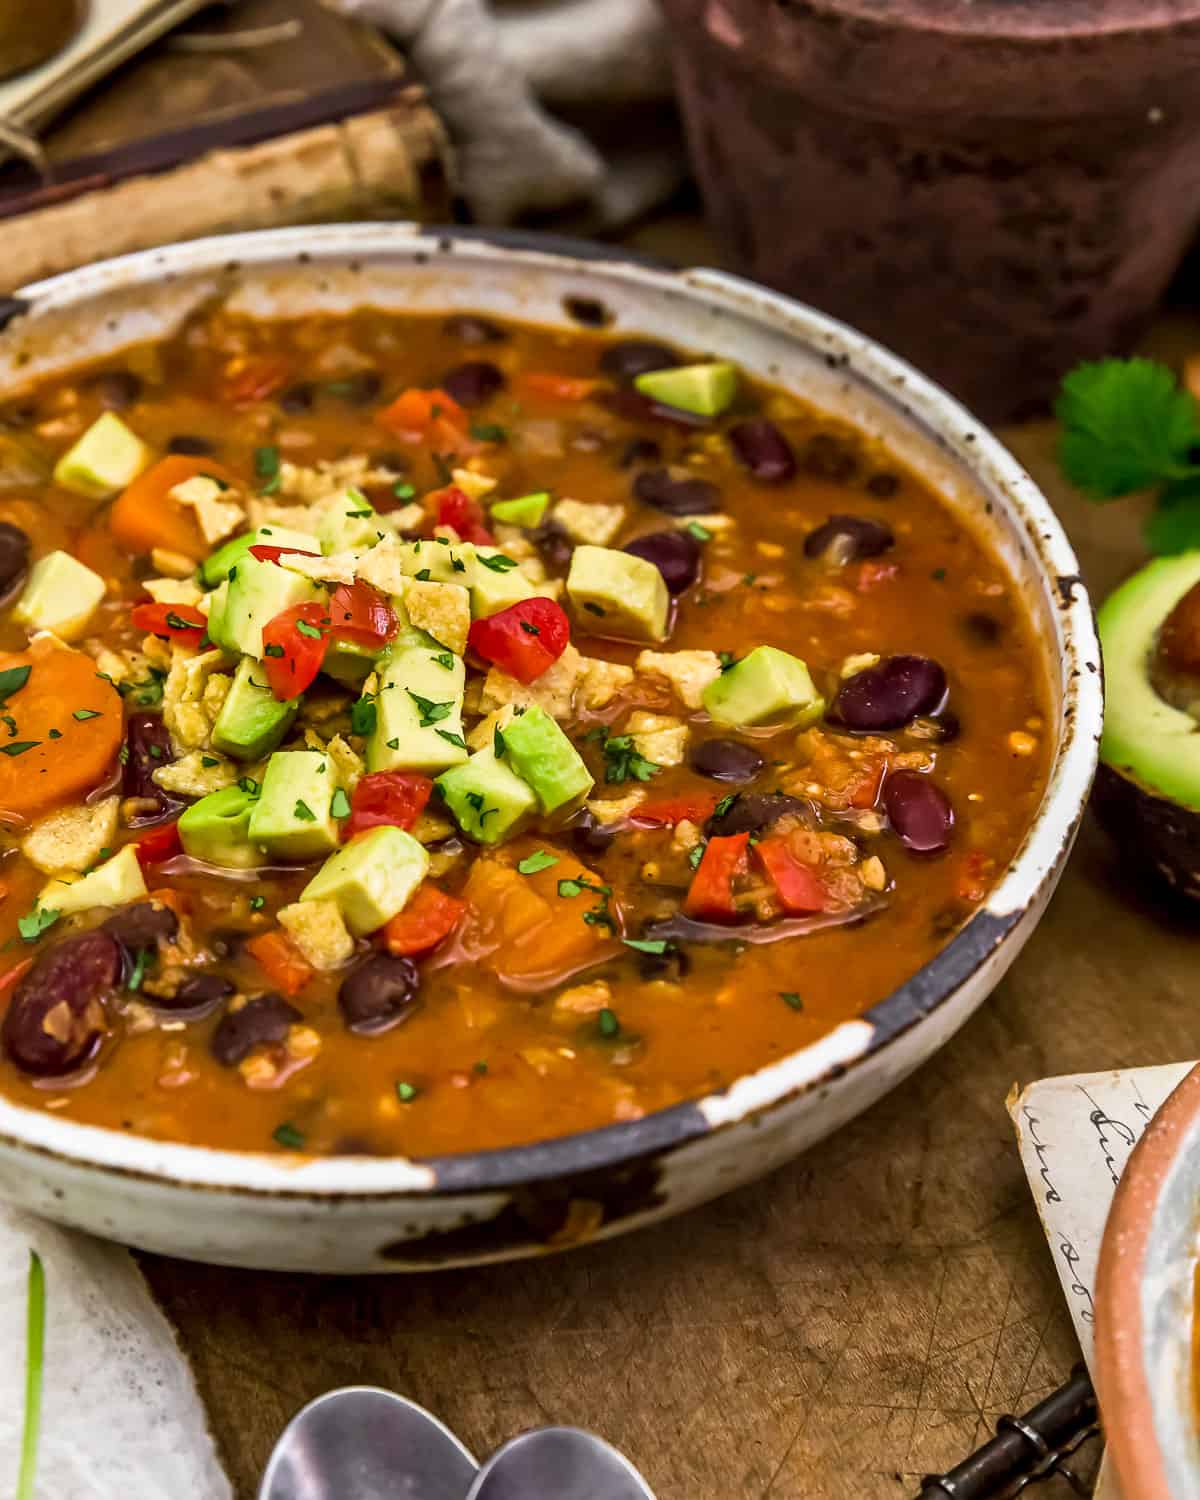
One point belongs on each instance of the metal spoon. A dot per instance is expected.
(558, 1463)
(362, 1443)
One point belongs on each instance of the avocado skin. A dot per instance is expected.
(1160, 835)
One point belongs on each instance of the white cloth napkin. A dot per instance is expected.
(121, 1417)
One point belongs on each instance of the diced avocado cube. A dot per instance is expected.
(252, 720)
(541, 754)
(418, 712)
(439, 561)
(114, 883)
(292, 817)
(766, 685)
(349, 662)
(615, 593)
(498, 583)
(349, 522)
(488, 800)
(217, 830)
(258, 591)
(215, 568)
(371, 879)
(104, 460)
(60, 594)
(217, 602)
(275, 535)
(525, 510)
(705, 389)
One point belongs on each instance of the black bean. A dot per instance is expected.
(589, 835)
(727, 760)
(640, 450)
(982, 628)
(674, 964)
(676, 497)
(845, 539)
(635, 407)
(14, 555)
(633, 357)
(554, 546)
(149, 746)
(262, 1022)
(192, 444)
(142, 925)
(473, 383)
(57, 1016)
(359, 389)
(764, 450)
(890, 695)
(197, 993)
(117, 389)
(299, 397)
(920, 812)
(473, 330)
(883, 486)
(589, 311)
(676, 555)
(379, 994)
(751, 812)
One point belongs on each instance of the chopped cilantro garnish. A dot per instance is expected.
(394, 744)
(257, 903)
(363, 715)
(11, 725)
(177, 622)
(497, 562)
(695, 856)
(19, 747)
(303, 812)
(340, 806)
(36, 921)
(273, 650)
(791, 999)
(430, 712)
(701, 533)
(727, 660)
(452, 738)
(592, 607)
(54, 734)
(313, 632)
(457, 565)
(423, 575)
(539, 860)
(209, 761)
(938, 575)
(481, 1067)
(12, 680)
(288, 1136)
(498, 745)
(529, 629)
(403, 490)
(266, 466)
(648, 945)
(475, 800)
(488, 432)
(623, 763)
(725, 804)
(83, 714)
(406, 1092)
(249, 786)
(607, 1024)
(579, 884)
(445, 659)
(138, 972)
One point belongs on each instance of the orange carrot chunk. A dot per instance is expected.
(144, 517)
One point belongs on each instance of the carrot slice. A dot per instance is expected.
(48, 755)
(280, 961)
(144, 518)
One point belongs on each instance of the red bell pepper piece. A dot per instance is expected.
(394, 798)
(417, 415)
(429, 918)
(266, 553)
(710, 895)
(524, 639)
(549, 386)
(281, 961)
(465, 515)
(294, 646)
(360, 613)
(257, 377)
(174, 622)
(800, 889)
(158, 844)
(667, 811)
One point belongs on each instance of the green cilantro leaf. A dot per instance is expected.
(539, 860)
(340, 806)
(445, 659)
(1175, 525)
(313, 632)
(363, 715)
(12, 680)
(608, 1025)
(288, 1136)
(648, 945)
(623, 763)
(430, 712)
(488, 432)
(403, 490)
(83, 714)
(248, 785)
(138, 973)
(406, 1092)
(177, 622)
(1126, 424)
(791, 999)
(303, 812)
(19, 747)
(36, 921)
(454, 739)
(701, 533)
(497, 563)
(498, 743)
(727, 660)
(272, 650)
(266, 466)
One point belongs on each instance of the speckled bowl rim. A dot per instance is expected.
(754, 1096)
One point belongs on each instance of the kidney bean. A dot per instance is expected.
(633, 357)
(635, 407)
(764, 450)
(891, 694)
(298, 397)
(262, 1022)
(588, 834)
(473, 383)
(727, 760)
(379, 994)
(142, 925)
(676, 555)
(149, 746)
(676, 497)
(554, 545)
(751, 812)
(641, 450)
(14, 554)
(846, 539)
(197, 993)
(471, 329)
(920, 812)
(57, 1016)
(191, 444)
(117, 389)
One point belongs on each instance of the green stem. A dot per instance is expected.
(35, 1341)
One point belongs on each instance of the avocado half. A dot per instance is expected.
(1147, 791)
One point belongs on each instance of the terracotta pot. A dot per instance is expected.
(996, 188)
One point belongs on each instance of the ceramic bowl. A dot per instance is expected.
(1146, 1311)
(349, 1215)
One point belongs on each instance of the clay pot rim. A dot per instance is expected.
(1037, 22)
(1123, 1384)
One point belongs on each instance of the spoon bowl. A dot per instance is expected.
(558, 1463)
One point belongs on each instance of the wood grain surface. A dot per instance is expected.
(856, 1320)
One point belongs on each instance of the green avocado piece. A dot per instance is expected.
(541, 754)
(498, 583)
(371, 878)
(766, 685)
(217, 601)
(489, 802)
(217, 830)
(1145, 737)
(418, 712)
(349, 663)
(292, 818)
(439, 561)
(104, 460)
(617, 594)
(349, 522)
(706, 390)
(216, 567)
(258, 591)
(525, 510)
(114, 883)
(252, 721)
(60, 594)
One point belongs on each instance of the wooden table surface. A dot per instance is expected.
(854, 1321)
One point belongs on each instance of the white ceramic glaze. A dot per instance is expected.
(352, 1215)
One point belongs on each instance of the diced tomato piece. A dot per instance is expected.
(281, 961)
(866, 791)
(429, 917)
(394, 798)
(359, 613)
(975, 876)
(416, 415)
(174, 622)
(800, 890)
(255, 378)
(554, 387)
(466, 516)
(668, 811)
(524, 639)
(710, 894)
(158, 844)
(266, 553)
(294, 646)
